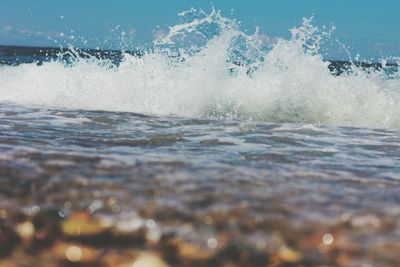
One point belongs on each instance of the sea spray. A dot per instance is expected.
(207, 66)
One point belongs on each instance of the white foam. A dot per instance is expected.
(291, 84)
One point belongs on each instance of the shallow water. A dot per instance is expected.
(299, 175)
(326, 162)
(316, 164)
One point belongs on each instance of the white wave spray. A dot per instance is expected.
(228, 74)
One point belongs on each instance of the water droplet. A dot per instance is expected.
(212, 243)
(327, 239)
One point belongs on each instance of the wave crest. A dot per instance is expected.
(207, 66)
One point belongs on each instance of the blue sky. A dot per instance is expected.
(368, 27)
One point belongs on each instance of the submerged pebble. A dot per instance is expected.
(147, 260)
(81, 224)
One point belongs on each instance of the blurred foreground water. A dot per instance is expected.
(198, 191)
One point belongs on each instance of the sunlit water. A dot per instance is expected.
(229, 123)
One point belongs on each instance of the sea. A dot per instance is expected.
(212, 134)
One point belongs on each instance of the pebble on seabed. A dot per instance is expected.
(146, 259)
(81, 224)
(25, 230)
(74, 252)
(289, 255)
(3, 214)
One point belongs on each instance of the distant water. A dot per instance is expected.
(229, 121)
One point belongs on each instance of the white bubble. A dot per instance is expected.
(212, 243)
(328, 239)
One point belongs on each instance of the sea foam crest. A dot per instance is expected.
(207, 66)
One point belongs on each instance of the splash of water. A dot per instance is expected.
(207, 66)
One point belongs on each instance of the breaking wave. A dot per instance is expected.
(206, 66)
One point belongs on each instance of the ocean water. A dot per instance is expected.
(211, 120)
